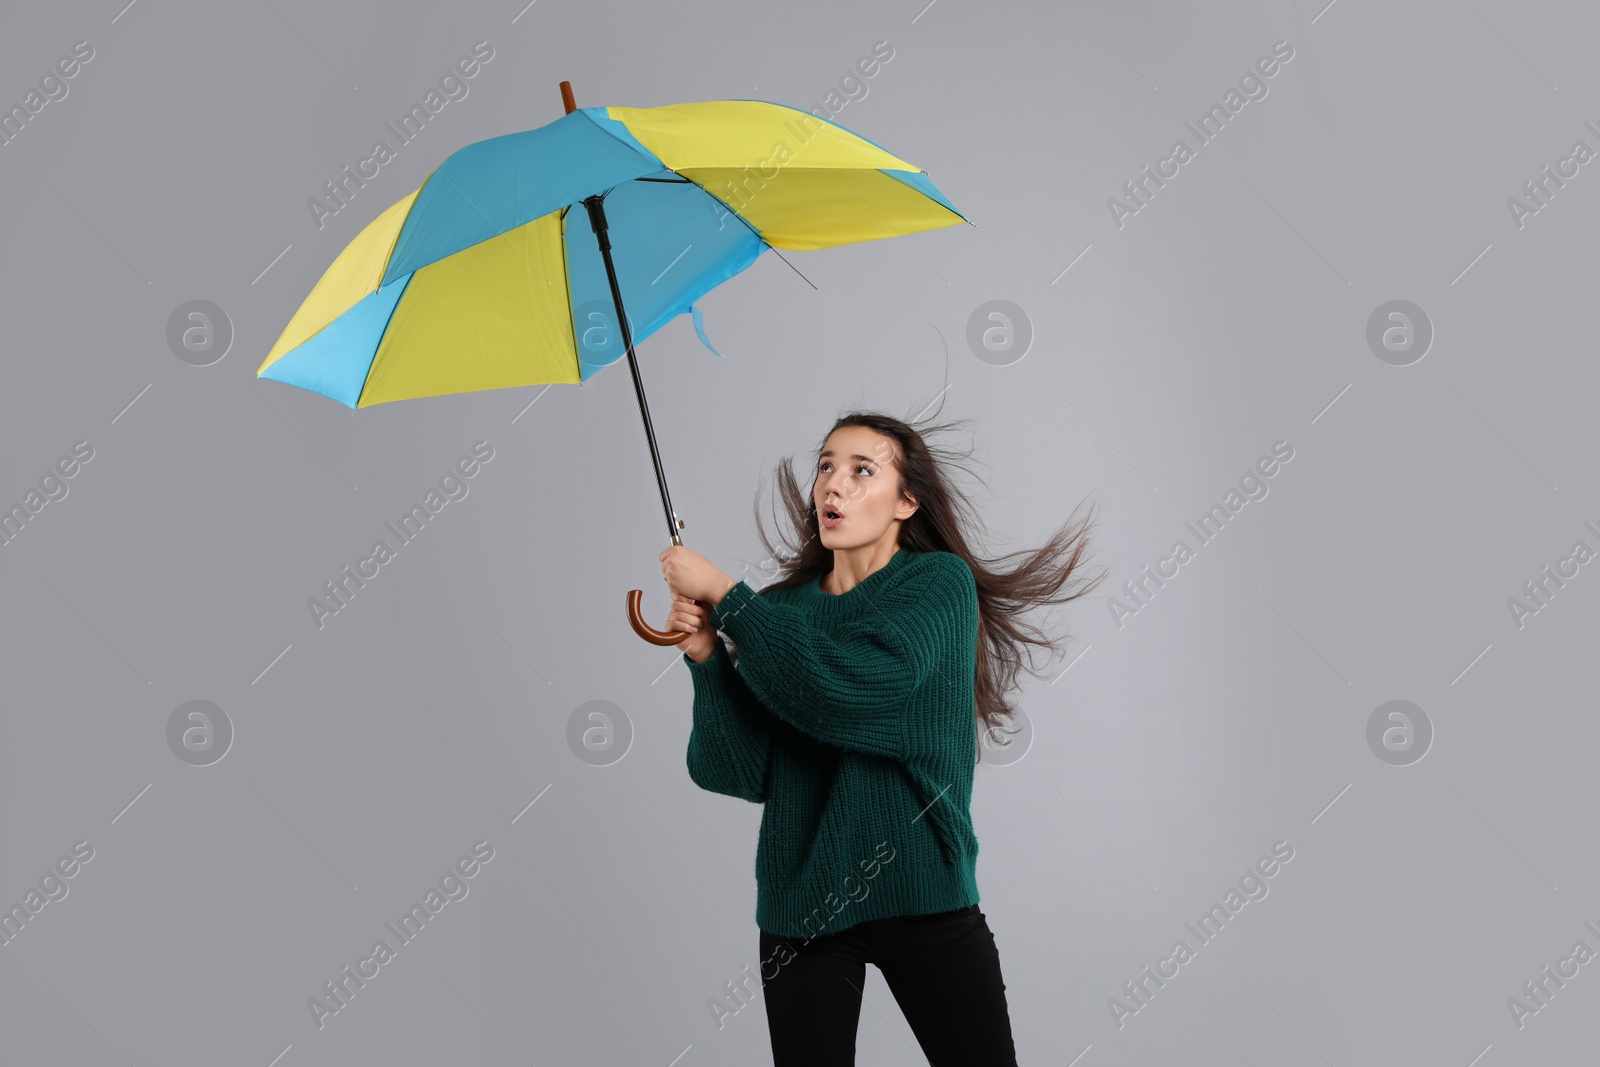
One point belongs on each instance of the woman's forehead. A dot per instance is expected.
(859, 442)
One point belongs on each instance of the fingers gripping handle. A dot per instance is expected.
(644, 629)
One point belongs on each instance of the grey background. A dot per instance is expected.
(1228, 714)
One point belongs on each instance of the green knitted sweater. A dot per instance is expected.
(852, 718)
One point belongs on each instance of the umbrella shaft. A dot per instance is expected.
(597, 221)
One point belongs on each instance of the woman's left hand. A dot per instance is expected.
(690, 574)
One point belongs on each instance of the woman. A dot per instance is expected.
(849, 708)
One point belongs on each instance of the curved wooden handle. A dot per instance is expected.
(644, 629)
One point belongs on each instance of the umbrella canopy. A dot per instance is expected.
(484, 278)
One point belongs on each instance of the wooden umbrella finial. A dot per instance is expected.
(566, 97)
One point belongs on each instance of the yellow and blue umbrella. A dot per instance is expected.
(485, 277)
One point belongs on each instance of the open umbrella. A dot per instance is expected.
(478, 280)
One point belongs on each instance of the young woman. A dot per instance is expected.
(849, 707)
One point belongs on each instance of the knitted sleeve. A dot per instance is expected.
(730, 740)
(849, 683)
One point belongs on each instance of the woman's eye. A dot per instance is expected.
(864, 467)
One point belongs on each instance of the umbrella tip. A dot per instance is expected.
(566, 97)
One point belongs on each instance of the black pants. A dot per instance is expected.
(944, 972)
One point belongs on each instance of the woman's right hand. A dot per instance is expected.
(686, 614)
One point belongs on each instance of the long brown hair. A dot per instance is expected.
(943, 522)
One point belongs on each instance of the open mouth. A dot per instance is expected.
(831, 517)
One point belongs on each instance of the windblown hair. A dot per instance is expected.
(943, 521)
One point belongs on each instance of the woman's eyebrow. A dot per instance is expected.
(858, 455)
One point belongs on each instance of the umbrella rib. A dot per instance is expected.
(765, 243)
(792, 267)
